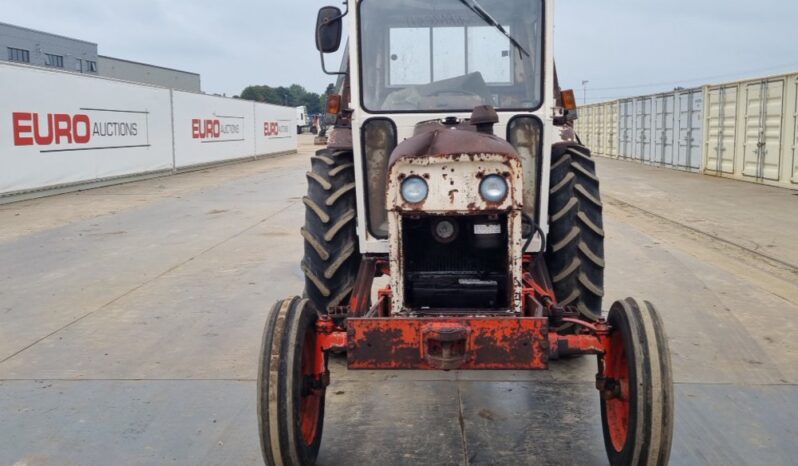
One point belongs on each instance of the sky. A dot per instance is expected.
(622, 47)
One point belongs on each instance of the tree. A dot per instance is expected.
(291, 96)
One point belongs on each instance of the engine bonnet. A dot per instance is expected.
(439, 140)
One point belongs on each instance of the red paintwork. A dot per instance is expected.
(471, 343)
(616, 368)
(311, 399)
(374, 339)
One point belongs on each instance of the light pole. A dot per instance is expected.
(584, 92)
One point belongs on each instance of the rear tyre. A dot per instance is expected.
(332, 256)
(637, 403)
(575, 255)
(291, 392)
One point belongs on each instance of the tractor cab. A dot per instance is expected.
(411, 61)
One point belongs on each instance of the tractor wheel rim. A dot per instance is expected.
(310, 402)
(617, 368)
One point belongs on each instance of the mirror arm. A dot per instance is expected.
(343, 15)
(324, 68)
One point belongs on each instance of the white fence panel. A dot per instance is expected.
(59, 129)
(275, 129)
(212, 129)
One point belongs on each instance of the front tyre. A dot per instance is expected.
(637, 392)
(291, 382)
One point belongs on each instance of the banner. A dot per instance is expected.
(212, 129)
(59, 128)
(275, 129)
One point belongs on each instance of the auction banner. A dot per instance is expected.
(275, 129)
(61, 128)
(211, 129)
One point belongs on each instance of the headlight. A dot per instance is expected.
(414, 190)
(493, 188)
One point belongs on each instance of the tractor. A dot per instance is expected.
(450, 226)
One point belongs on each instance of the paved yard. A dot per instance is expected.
(130, 321)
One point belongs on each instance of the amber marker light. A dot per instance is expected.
(568, 99)
(334, 104)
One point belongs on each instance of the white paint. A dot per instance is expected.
(275, 129)
(212, 129)
(27, 164)
(61, 129)
(405, 124)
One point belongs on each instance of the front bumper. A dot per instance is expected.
(448, 343)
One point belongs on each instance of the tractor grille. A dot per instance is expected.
(468, 271)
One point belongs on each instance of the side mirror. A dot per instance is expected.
(329, 26)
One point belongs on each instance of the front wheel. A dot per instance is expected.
(291, 385)
(636, 386)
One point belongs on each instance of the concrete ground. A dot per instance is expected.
(130, 321)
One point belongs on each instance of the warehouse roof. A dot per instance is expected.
(147, 64)
(47, 33)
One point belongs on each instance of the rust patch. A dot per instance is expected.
(447, 143)
(491, 343)
(340, 138)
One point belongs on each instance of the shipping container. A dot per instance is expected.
(643, 128)
(597, 128)
(747, 130)
(794, 101)
(626, 121)
(664, 119)
(752, 130)
(666, 128)
(596, 125)
(689, 128)
(609, 129)
(721, 129)
(586, 135)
